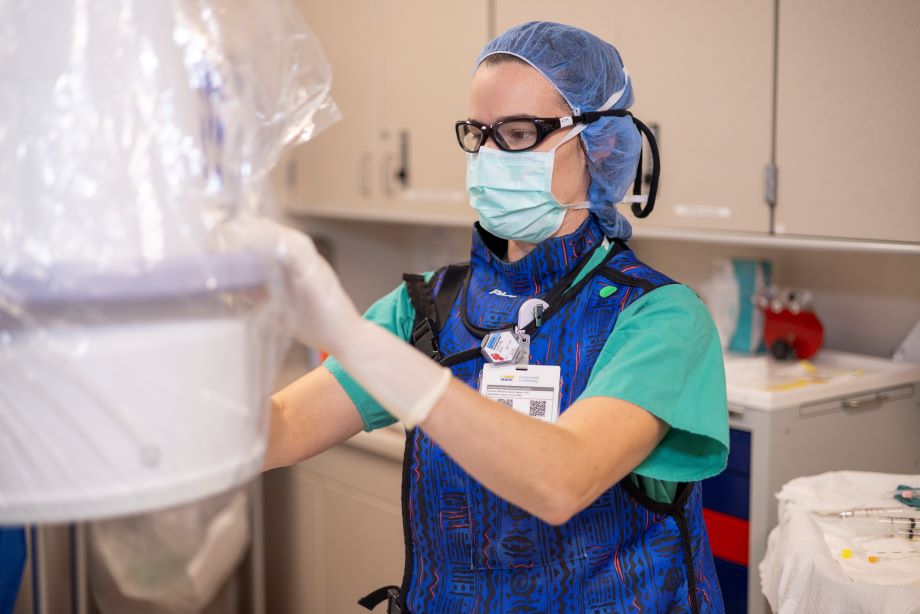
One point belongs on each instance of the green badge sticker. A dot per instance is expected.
(608, 291)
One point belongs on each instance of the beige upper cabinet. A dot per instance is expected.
(401, 74)
(701, 73)
(337, 168)
(428, 54)
(848, 128)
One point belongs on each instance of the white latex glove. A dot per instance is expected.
(404, 381)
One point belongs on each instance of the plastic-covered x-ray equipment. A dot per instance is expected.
(137, 346)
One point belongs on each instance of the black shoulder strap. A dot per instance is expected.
(627, 280)
(450, 288)
(616, 275)
(431, 313)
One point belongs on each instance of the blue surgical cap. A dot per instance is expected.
(587, 72)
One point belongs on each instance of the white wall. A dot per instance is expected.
(868, 302)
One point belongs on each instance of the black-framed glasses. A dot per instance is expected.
(522, 133)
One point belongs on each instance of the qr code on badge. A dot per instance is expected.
(507, 402)
(537, 408)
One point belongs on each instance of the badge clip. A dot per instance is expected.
(531, 311)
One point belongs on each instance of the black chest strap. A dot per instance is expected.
(431, 313)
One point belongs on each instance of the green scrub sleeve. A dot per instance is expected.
(395, 313)
(664, 355)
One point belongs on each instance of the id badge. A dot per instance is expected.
(532, 390)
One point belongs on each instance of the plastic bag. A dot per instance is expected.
(720, 292)
(729, 293)
(137, 350)
(173, 560)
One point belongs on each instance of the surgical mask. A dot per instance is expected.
(512, 192)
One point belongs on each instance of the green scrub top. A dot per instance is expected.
(663, 355)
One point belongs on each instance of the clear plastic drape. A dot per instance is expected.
(137, 350)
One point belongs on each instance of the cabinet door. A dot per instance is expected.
(848, 137)
(333, 531)
(702, 72)
(592, 15)
(428, 53)
(336, 168)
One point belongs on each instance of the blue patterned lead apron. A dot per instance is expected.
(469, 550)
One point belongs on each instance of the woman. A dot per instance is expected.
(591, 502)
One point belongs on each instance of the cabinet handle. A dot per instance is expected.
(387, 174)
(290, 175)
(364, 165)
(863, 403)
(402, 174)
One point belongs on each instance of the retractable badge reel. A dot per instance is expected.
(507, 378)
(512, 345)
(509, 346)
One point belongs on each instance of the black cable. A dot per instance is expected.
(550, 296)
(638, 210)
